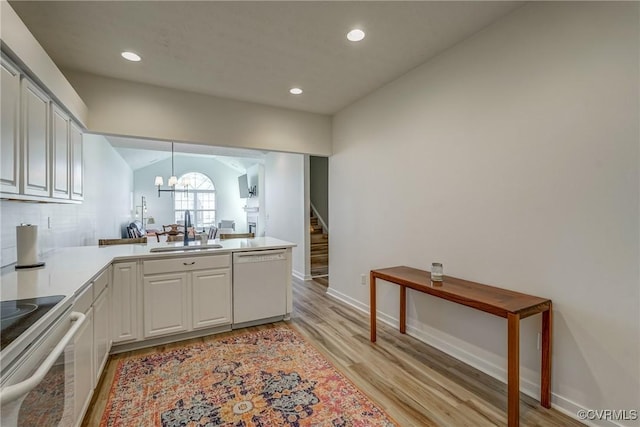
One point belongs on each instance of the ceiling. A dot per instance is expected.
(256, 51)
(140, 153)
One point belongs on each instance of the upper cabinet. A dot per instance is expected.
(77, 165)
(35, 140)
(60, 176)
(41, 152)
(9, 128)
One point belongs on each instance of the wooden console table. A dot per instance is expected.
(502, 302)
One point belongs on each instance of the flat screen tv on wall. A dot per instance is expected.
(243, 186)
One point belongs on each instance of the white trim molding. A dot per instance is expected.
(300, 276)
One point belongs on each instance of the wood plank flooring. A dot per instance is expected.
(416, 384)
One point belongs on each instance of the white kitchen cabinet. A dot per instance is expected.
(124, 302)
(182, 294)
(83, 367)
(91, 343)
(36, 154)
(83, 373)
(166, 304)
(9, 128)
(211, 298)
(101, 332)
(77, 162)
(41, 154)
(60, 171)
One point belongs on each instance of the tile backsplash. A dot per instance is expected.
(58, 226)
(108, 185)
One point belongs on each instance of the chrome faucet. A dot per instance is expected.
(187, 226)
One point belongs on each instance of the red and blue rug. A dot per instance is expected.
(266, 378)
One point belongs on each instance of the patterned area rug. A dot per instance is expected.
(265, 378)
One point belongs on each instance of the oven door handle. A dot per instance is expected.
(12, 392)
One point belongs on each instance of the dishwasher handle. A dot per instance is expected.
(259, 256)
(12, 392)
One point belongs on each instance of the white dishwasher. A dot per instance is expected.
(259, 285)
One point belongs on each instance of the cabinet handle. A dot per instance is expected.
(189, 263)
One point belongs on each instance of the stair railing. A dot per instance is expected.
(317, 215)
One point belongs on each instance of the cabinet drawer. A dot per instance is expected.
(171, 265)
(84, 300)
(100, 283)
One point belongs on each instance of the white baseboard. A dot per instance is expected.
(348, 300)
(443, 342)
(300, 276)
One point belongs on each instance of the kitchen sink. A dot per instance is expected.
(180, 248)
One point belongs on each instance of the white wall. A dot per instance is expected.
(225, 179)
(133, 109)
(286, 213)
(106, 207)
(513, 159)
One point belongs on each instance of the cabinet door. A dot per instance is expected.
(83, 367)
(60, 151)
(9, 128)
(124, 302)
(77, 165)
(211, 298)
(35, 140)
(165, 304)
(101, 337)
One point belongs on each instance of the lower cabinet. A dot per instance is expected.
(211, 298)
(124, 302)
(166, 304)
(83, 367)
(92, 342)
(185, 294)
(101, 332)
(83, 374)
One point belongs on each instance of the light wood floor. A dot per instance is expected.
(416, 384)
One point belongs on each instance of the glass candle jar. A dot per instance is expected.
(436, 272)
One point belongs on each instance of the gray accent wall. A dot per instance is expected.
(319, 185)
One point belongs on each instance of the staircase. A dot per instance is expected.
(319, 248)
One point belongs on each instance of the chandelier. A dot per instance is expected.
(172, 182)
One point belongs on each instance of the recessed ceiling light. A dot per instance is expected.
(355, 35)
(295, 91)
(130, 56)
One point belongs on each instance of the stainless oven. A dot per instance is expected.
(37, 387)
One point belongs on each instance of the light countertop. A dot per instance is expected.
(67, 270)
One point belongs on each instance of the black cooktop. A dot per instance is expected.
(18, 315)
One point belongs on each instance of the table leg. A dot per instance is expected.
(513, 370)
(372, 305)
(545, 371)
(403, 309)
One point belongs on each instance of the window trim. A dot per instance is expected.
(192, 208)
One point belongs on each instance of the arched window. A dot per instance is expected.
(200, 200)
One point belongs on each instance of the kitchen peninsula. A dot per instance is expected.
(126, 296)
